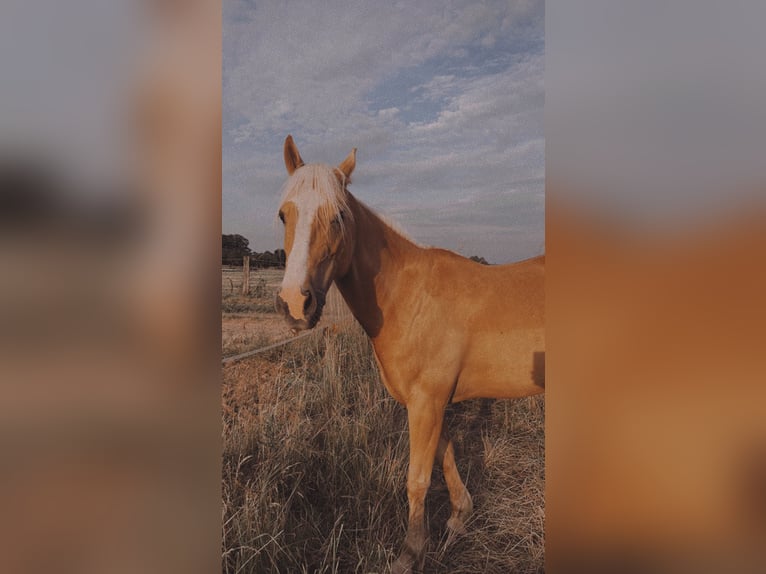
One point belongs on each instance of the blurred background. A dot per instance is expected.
(110, 163)
(109, 249)
(656, 243)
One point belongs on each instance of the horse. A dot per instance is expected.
(443, 328)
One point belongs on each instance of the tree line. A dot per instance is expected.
(234, 248)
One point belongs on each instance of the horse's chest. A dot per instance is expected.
(407, 363)
(393, 384)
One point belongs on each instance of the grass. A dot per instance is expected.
(315, 458)
(243, 342)
(246, 304)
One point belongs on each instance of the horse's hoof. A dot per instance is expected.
(456, 522)
(408, 563)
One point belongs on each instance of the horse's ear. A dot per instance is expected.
(347, 165)
(293, 159)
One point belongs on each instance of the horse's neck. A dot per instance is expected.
(379, 252)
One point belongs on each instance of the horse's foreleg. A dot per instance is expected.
(425, 421)
(460, 499)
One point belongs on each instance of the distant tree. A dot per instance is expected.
(262, 260)
(233, 248)
(268, 259)
(479, 259)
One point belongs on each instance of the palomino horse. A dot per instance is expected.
(443, 328)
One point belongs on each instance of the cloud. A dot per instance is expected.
(313, 64)
(443, 101)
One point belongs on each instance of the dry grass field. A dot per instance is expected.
(315, 458)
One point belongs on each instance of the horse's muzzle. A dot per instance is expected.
(310, 303)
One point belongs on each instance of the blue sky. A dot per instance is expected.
(444, 101)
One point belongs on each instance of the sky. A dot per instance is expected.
(443, 100)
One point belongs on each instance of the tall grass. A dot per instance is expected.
(315, 459)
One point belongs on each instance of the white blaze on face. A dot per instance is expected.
(296, 274)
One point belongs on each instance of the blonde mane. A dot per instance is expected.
(391, 224)
(321, 181)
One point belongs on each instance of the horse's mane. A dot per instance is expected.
(329, 192)
(390, 223)
(332, 197)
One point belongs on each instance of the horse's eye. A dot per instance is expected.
(282, 216)
(338, 219)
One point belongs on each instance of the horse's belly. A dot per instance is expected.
(503, 365)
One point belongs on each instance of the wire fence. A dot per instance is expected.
(262, 281)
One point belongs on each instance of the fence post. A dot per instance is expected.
(246, 275)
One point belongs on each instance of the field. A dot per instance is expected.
(315, 456)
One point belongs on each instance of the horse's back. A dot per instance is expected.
(489, 297)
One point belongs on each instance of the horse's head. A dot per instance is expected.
(319, 234)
